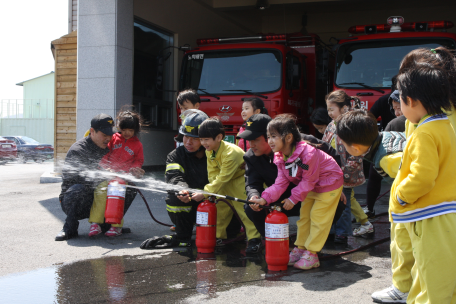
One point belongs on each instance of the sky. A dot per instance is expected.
(27, 28)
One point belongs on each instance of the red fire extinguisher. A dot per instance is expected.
(277, 243)
(206, 220)
(115, 201)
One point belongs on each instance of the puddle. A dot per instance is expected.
(38, 286)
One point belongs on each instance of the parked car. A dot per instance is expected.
(8, 150)
(28, 149)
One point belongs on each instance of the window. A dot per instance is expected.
(152, 100)
(374, 63)
(224, 72)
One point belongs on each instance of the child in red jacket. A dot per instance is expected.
(125, 156)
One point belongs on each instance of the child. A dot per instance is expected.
(440, 57)
(358, 132)
(250, 106)
(319, 183)
(423, 195)
(125, 156)
(338, 102)
(225, 168)
(187, 100)
(401, 248)
(320, 119)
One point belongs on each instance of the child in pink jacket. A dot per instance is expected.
(319, 183)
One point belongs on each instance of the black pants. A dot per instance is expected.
(78, 200)
(183, 216)
(258, 217)
(374, 186)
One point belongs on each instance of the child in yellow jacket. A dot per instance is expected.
(225, 169)
(423, 195)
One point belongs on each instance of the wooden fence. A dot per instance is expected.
(64, 50)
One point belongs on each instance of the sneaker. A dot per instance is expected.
(365, 209)
(363, 229)
(172, 228)
(95, 229)
(340, 239)
(308, 260)
(295, 255)
(390, 295)
(254, 246)
(114, 231)
(370, 214)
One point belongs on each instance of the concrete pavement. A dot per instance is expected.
(32, 217)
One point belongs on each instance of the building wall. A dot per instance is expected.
(334, 22)
(105, 59)
(190, 20)
(39, 97)
(72, 15)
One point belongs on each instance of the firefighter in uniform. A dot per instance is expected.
(186, 166)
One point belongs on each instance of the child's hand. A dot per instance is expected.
(255, 207)
(185, 197)
(287, 204)
(343, 198)
(137, 172)
(257, 201)
(197, 197)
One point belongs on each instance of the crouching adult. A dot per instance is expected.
(79, 176)
(186, 166)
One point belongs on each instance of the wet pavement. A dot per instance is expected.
(115, 271)
(169, 275)
(178, 275)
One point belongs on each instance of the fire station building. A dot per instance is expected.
(112, 48)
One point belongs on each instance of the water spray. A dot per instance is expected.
(176, 193)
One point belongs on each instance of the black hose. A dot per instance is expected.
(150, 212)
(333, 256)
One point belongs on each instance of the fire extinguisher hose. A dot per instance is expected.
(150, 212)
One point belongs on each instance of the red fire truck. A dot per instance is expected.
(289, 72)
(366, 63)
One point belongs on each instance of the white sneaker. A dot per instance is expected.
(363, 229)
(390, 295)
(365, 209)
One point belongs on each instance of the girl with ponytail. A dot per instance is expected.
(338, 103)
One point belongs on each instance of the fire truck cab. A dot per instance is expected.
(289, 72)
(366, 63)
